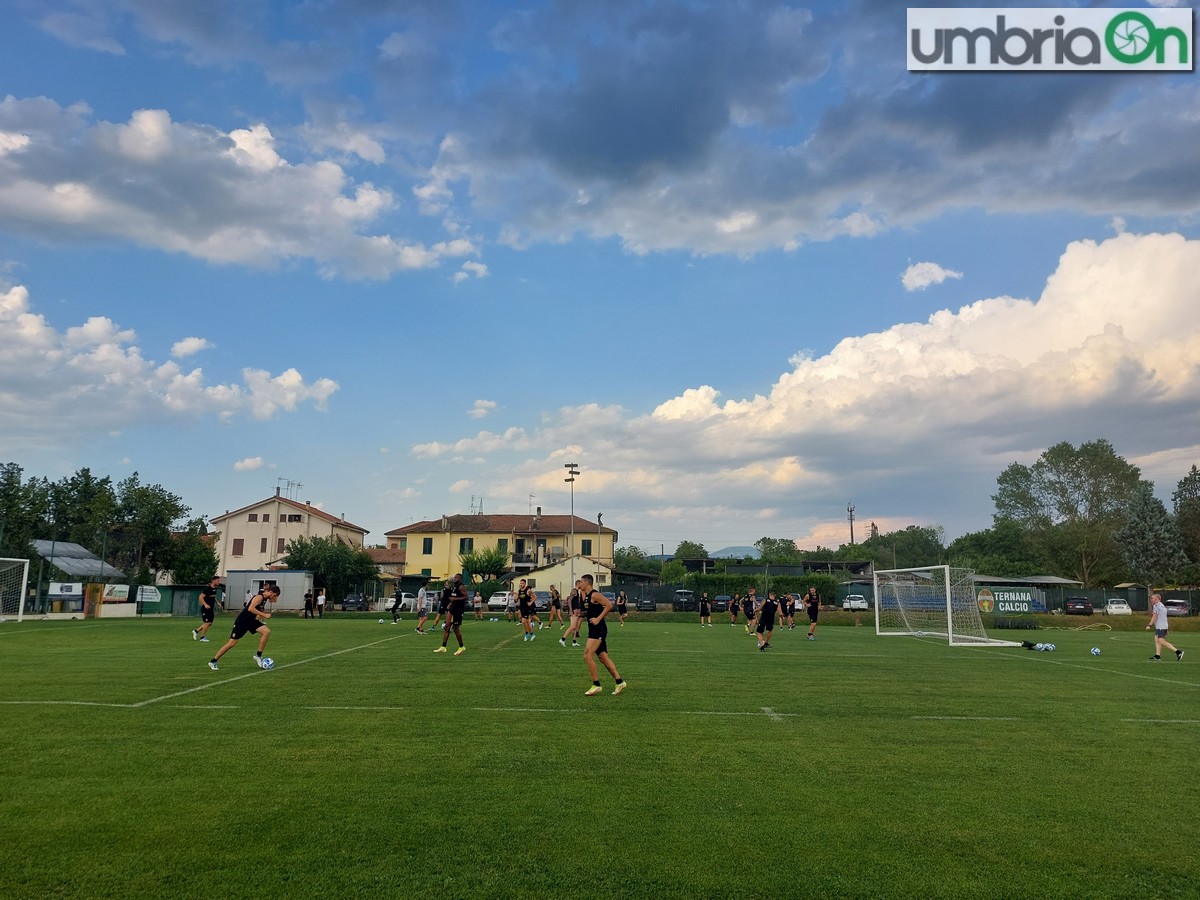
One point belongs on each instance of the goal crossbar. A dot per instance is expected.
(933, 601)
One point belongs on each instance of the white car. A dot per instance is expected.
(1117, 608)
(407, 601)
(500, 601)
(856, 602)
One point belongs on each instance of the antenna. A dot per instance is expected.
(289, 487)
(531, 504)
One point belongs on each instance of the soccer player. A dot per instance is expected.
(454, 597)
(705, 610)
(208, 609)
(525, 606)
(789, 611)
(575, 602)
(622, 607)
(734, 605)
(477, 601)
(598, 606)
(556, 607)
(1158, 621)
(250, 620)
(766, 621)
(750, 608)
(812, 605)
(423, 603)
(443, 607)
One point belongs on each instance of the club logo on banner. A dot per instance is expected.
(986, 601)
(1049, 40)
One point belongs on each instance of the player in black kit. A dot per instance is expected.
(208, 609)
(766, 621)
(250, 621)
(454, 598)
(597, 606)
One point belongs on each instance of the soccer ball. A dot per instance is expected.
(1040, 647)
(268, 663)
(1051, 648)
(381, 621)
(1095, 651)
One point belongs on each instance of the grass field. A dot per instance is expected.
(364, 765)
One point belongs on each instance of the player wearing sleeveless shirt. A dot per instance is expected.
(734, 605)
(598, 606)
(812, 605)
(250, 620)
(454, 598)
(208, 609)
(556, 607)
(766, 620)
(525, 608)
(575, 602)
(750, 607)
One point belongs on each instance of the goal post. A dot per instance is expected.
(934, 601)
(14, 587)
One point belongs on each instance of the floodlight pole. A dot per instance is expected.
(572, 471)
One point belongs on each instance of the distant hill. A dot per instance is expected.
(734, 553)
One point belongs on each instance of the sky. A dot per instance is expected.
(407, 259)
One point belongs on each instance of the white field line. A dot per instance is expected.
(770, 713)
(1164, 721)
(969, 718)
(363, 708)
(6, 633)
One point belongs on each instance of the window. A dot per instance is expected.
(393, 545)
(602, 579)
(295, 518)
(466, 545)
(266, 517)
(427, 546)
(502, 545)
(238, 546)
(262, 545)
(585, 547)
(427, 572)
(253, 517)
(279, 545)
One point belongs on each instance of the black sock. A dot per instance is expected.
(618, 681)
(596, 683)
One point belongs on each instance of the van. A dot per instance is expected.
(685, 601)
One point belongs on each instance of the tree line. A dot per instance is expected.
(1083, 513)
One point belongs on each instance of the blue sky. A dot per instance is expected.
(731, 258)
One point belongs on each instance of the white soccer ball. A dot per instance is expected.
(268, 663)
(1051, 647)
(381, 621)
(1095, 651)
(1039, 647)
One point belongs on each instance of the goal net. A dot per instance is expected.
(938, 601)
(14, 580)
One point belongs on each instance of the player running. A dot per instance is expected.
(598, 606)
(750, 608)
(525, 607)
(250, 620)
(812, 606)
(454, 598)
(556, 607)
(766, 621)
(208, 609)
(575, 602)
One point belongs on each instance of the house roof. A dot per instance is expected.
(386, 556)
(503, 524)
(293, 504)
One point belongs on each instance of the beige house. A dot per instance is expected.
(256, 536)
(532, 541)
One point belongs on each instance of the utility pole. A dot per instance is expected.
(850, 516)
(572, 471)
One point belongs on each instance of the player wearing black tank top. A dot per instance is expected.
(597, 606)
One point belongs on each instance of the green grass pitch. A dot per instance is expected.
(365, 765)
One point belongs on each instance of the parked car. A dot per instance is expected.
(355, 603)
(1177, 607)
(1078, 606)
(1117, 608)
(499, 601)
(685, 601)
(856, 602)
(645, 604)
(721, 603)
(407, 601)
(541, 600)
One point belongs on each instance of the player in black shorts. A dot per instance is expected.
(575, 602)
(525, 606)
(443, 608)
(812, 605)
(597, 606)
(789, 611)
(705, 610)
(454, 597)
(750, 608)
(622, 607)
(766, 621)
(250, 620)
(734, 605)
(208, 609)
(556, 607)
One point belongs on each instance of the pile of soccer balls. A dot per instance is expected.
(1049, 648)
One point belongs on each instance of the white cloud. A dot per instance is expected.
(481, 408)
(902, 417)
(189, 346)
(59, 386)
(249, 464)
(921, 275)
(69, 177)
(469, 270)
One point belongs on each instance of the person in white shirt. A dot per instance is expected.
(1158, 621)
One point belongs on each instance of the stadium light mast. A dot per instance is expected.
(572, 471)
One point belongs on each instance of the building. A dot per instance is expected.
(433, 547)
(564, 572)
(256, 536)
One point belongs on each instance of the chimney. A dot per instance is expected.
(539, 512)
(276, 490)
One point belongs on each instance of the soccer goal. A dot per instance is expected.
(938, 601)
(14, 581)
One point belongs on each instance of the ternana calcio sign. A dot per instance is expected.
(1049, 39)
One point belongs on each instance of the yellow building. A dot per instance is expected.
(532, 541)
(257, 535)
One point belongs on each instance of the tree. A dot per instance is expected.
(195, 560)
(1186, 498)
(487, 564)
(1005, 550)
(634, 559)
(907, 548)
(337, 567)
(146, 515)
(1149, 539)
(690, 550)
(672, 572)
(1072, 500)
(778, 551)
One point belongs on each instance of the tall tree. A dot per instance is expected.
(1005, 549)
(778, 551)
(335, 566)
(195, 559)
(1149, 539)
(486, 564)
(907, 548)
(146, 515)
(1072, 499)
(690, 550)
(1186, 498)
(634, 559)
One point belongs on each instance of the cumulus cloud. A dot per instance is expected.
(901, 419)
(58, 385)
(921, 275)
(189, 346)
(67, 176)
(481, 408)
(249, 464)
